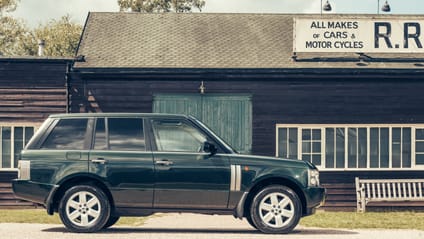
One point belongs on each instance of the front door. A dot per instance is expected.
(186, 177)
(230, 116)
(119, 156)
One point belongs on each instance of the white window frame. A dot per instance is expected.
(323, 127)
(299, 146)
(12, 139)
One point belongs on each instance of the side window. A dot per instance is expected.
(177, 136)
(67, 134)
(123, 134)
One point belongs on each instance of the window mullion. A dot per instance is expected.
(368, 148)
(1, 147)
(379, 147)
(300, 142)
(288, 142)
(311, 151)
(357, 147)
(390, 147)
(323, 158)
(401, 147)
(12, 147)
(346, 156)
(413, 142)
(335, 146)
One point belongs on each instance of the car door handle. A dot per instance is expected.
(164, 162)
(99, 161)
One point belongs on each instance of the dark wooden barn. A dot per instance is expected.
(350, 114)
(31, 88)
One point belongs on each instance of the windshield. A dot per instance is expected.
(221, 141)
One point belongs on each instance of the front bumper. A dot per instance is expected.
(31, 191)
(315, 198)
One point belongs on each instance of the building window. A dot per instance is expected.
(335, 147)
(12, 141)
(353, 146)
(311, 145)
(419, 146)
(287, 142)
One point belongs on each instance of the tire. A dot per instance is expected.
(112, 220)
(276, 209)
(249, 220)
(84, 208)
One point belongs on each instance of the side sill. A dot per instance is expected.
(141, 212)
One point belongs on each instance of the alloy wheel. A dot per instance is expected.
(276, 210)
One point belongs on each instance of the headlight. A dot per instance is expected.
(24, 167)
(313, 176)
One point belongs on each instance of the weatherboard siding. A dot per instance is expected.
(289, 101)
(31, 90)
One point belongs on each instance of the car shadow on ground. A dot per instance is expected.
(121, 230)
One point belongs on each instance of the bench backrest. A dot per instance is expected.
(391, 189)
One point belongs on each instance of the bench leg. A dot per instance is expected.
(361, 203)
(360, 196)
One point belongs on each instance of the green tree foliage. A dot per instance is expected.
(8, 5)
(15, 38)
(161, 5)
(61, 37)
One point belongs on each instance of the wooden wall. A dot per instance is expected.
(337, 101)
(32, 89)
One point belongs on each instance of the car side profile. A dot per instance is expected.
(93, 168)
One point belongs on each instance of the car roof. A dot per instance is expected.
(96, 115)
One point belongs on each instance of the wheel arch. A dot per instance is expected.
(273, 181)
(80, 179)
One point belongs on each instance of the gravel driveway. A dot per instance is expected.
(193, 226)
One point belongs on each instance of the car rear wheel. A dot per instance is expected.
(84, 208)
(112, 220)
(276, 209)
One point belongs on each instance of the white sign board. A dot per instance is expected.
(358, 35)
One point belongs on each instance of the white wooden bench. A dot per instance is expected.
(381, 190)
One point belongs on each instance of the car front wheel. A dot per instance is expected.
(84, 208)
(276, 209)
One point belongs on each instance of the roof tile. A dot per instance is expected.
(197, 40)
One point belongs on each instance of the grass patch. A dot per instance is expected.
(28, 216)
(375, 220)
(40, 216)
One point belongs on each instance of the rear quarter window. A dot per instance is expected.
(68, 134)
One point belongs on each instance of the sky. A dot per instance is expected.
(35, 12)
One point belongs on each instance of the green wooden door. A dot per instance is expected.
(230, 116)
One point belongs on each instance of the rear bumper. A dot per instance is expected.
(33, 192)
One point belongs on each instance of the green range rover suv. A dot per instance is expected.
(94, 168)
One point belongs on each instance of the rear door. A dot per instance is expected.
(121, 158)
(64, 146)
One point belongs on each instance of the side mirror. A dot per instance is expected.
(209, 147)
